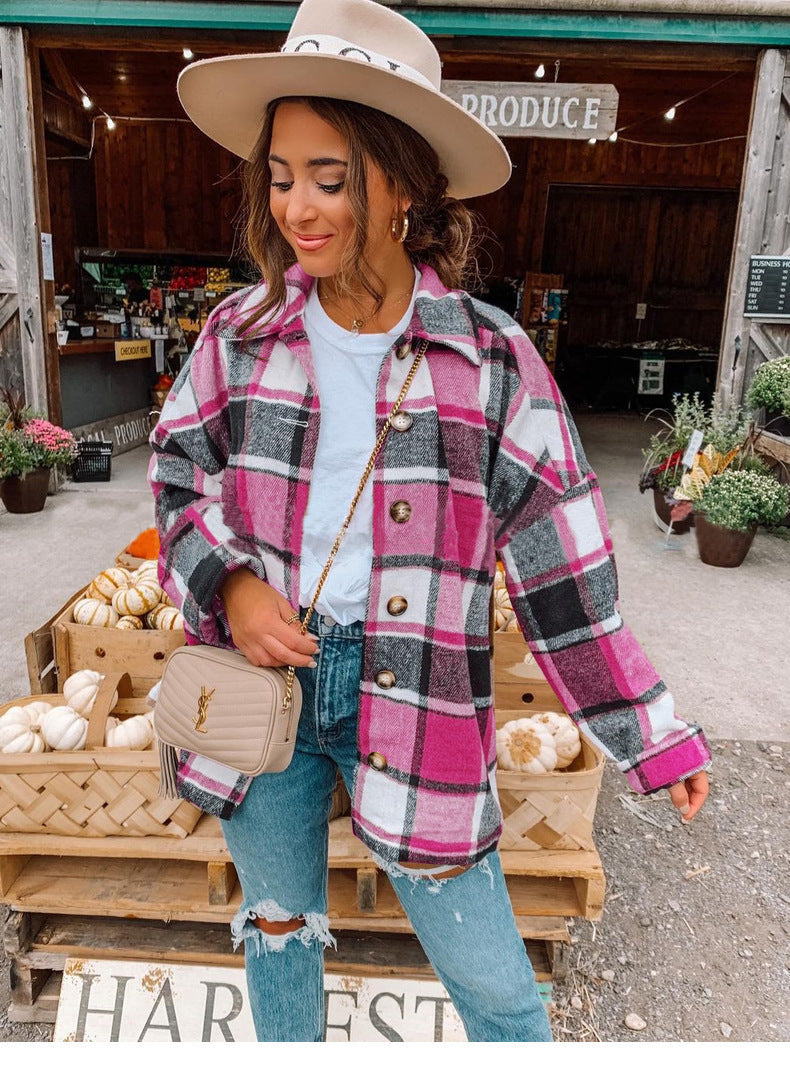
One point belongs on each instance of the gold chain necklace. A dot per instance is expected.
(357, 324)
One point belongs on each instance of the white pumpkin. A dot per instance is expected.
(64, 729)
(95, 613)
(134, 733)
(165, 618)
(526, 746)
(36, 710)
(502, 598)
(129, 623)
(137, 600)
(80, 691)
(566, 736)
(19, 731)
(166, 600)
(107, 582)
(149, 569)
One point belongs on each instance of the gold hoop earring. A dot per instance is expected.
(399, 238)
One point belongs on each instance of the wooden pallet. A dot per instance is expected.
(194, 879)
(39, 945)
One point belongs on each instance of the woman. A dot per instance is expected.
(352, 188)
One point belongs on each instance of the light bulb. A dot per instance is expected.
(593, 141)
(613, 137)
(110, 123)
(188, 53)
(539, 73)
(86, 101)
(670, 115)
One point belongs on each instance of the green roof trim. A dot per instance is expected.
(469, 22)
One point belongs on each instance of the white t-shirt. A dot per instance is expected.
(347, 367)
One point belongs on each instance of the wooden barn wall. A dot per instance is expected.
(72, 198)
(517, 214)
(670, 247)
(165, 186)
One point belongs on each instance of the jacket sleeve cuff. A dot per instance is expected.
(204, 612)
(675, 758)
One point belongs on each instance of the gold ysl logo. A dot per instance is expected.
(202, 713)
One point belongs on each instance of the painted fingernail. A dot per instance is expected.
(313, 664)
(684, 808)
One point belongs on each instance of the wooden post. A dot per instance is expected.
(20, 222)
(762, 228)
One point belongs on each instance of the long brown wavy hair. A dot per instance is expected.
(443, 232)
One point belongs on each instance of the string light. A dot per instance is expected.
(87, 103)
(188, 53)
(110, 122)
(669, 116)
(540, 72)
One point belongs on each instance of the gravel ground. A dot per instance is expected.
(694, 936)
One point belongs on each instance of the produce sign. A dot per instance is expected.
(152, 1002)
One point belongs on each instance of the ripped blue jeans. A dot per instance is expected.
(278, 840)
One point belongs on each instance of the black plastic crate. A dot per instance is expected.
(93, 463)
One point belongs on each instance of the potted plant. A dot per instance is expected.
(731, 506)
(663, 467)
(770, 389)
(29, 449)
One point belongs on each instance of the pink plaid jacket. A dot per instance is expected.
(491, 461)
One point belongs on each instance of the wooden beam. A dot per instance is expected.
(46, 287)
(65, 119)
(761, 226)
(626, 54)
(60, 73)
(20, 174)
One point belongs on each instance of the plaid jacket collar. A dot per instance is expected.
(441, 316)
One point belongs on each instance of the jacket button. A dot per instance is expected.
(377, 761)
(401, 421)
(386, 679)
(400, 511)
(403, 351)
(397, 606)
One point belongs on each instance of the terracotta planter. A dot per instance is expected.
(25, 493)
(720, 546)
(662, 508)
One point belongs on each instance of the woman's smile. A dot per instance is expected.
(311, 242)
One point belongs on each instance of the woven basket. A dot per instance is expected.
(92, 792)
(551, 810)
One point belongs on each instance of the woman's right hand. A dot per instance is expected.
(257, 615)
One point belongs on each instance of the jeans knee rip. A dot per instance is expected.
(316, 926)
(431, 875)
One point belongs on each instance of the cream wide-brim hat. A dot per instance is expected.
(349, 50)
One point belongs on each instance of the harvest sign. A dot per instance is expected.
(526, 109)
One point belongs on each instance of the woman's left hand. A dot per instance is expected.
(689, 794)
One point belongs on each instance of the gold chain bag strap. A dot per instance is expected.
(214, 703)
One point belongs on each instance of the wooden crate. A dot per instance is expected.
(38, 946)
(140, 653)
(519, 685)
